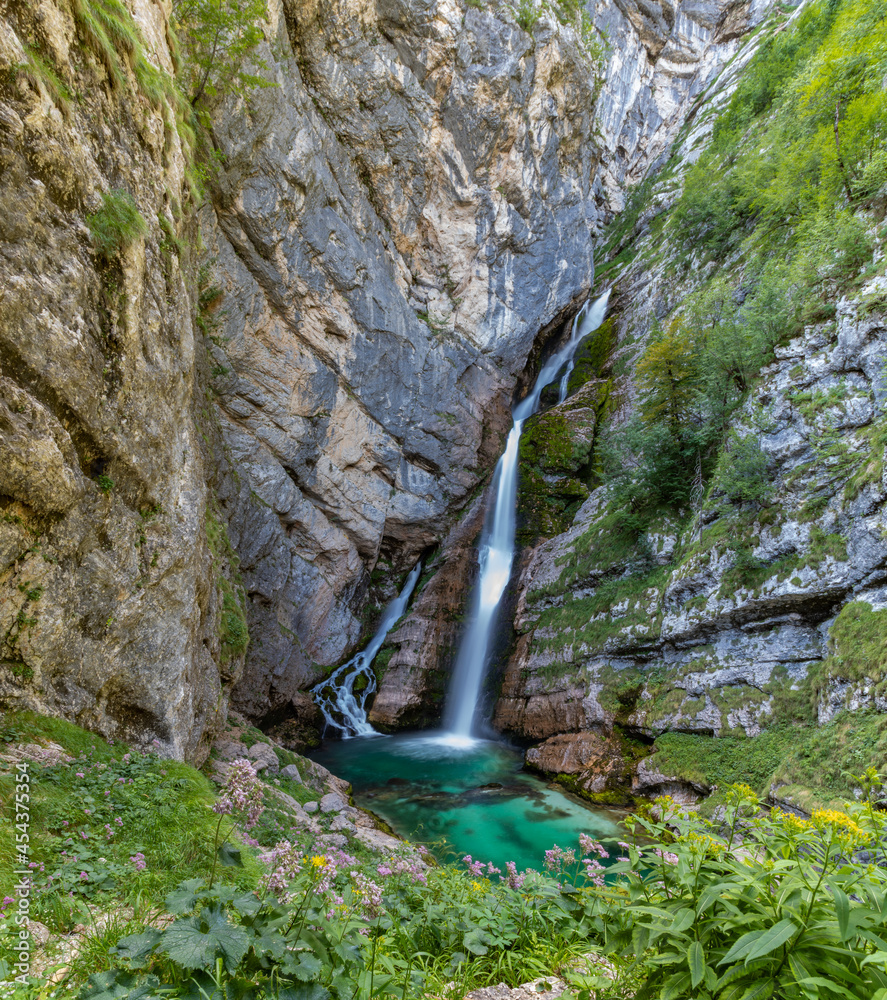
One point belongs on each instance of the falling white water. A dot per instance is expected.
(593, 319)
(335, 697)
(497, 547)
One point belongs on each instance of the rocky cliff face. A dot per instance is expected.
(395, 222)
(109, 609)
(660, 60)
(390, 226)
(729, 621)
(736, 615)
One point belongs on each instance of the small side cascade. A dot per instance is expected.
(571, 364)
(497, 545)
(342, 707)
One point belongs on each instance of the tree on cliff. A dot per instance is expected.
(218, 36)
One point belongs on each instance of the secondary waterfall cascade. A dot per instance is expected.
(496, 553)
(342, 707)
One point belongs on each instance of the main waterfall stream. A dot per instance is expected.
(453, 790)
(497, 543)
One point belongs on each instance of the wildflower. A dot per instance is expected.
(80, 774)
(623, 845)
(514, 878)
(492, 870)
(84, 877)
(370, 894)
(107, 793)
(594, 872)
(138, 860)
(556, 859)
(475, 867)
(242, 793)
(666, 856)
(118, 821)
(385, 871)
(840, 824)
(590, 846)
(285, 862)
(64, 822)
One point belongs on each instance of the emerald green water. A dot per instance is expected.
(469, 798)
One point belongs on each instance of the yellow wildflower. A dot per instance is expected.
(790, 822)
(843, 825)
(319, 861)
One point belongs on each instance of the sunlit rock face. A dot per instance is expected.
(660, 60)
(705, 648)
(663, 59)
(393, 224)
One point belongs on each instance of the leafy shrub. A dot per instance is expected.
(754, 906)
(218, 37)
(742, 470)
(116, 225)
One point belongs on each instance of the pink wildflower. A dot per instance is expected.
(591, 846)
(139, 861)
(370, 894)
(475, 867)
(514, 878)
(242, 793)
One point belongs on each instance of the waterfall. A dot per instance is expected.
(342, 708)
(571, 364)
(497, 543)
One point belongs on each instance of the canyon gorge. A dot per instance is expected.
(229, 438)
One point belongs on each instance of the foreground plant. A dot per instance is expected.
(753, 906)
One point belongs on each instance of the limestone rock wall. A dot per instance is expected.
(703, 646)
(660, 60)
(109, 613)
(394, 223)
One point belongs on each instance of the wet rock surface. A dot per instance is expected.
(705, 649)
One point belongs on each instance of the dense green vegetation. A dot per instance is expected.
(188, 892)
(781, 207)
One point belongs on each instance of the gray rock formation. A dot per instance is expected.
(395, 222)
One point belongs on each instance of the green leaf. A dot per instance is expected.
(230, 856)
(771, 939)
(247, 904)
(760, 991)
(696, 961)
(194, 942)
(304, 991)
(136, 948)
(741, 947)
(185, 898)
(829, 984)
(116, 985)
(675, 987)
(307, 967)
(842, 906)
